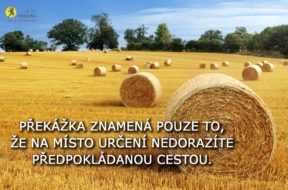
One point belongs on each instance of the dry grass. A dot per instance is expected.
(39, 93)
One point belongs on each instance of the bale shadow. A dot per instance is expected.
(109, 103)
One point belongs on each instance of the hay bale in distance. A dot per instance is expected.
(225, 64)
(100, 71)
(88, 59)
(253, 72)
(140, 90)
(28, 53)
(37, 50)
(79, 66)
(105, 51)
(214, 66)
(74, 62)
(148, 65)
(24, 65)
(268, 67)
(168, 62)
(129, 58)
(116, 68)
(133, 69)
(260, 65)
(243, 116)
(285, 63)
(2, 59)
(202, 66)
(154, 65)
(247, 64)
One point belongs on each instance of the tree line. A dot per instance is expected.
(71, 34)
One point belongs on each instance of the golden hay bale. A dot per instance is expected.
(129, 58)
(28, 53)
(140, 90)
(285, 63)
(148, 65)
(214, 66)
(133, 69)
(202, 66)
(247, 64)
(225, 64)
(88, 59)
(253, 72)
(260, 65)
(37, 50)
(268, 67)
(74, 62)
(155, 65)
(79, 66)
(116, 68)
(24, 65)
(241, 113)
(168, 62)
(105, 51)
(100, 71)
(2, 59)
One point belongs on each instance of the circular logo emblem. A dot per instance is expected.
(11, 12)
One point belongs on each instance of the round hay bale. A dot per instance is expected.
(202, 66)
(28, 53)
(74, 62)
(116, 68)
(148, 65)
(214, 66)
(241, 113)
(260, 65)
(37, 50)
(285, 63)
(268, 67)
(105, 51)
(247, 64)
(133, 69)
(79, 66)
(100, 71)
(253, 72)
(140, 90)
(225, 64)
(168, 62)
(129, 58)
(2, 59)
(155, 65)
(88, 59)
(24, 65)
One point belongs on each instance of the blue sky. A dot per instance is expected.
(187, 19)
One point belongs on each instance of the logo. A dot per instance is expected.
(11, 12)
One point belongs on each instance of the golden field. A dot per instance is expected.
(51, 88)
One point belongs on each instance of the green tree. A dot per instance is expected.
(12, 41)
(211, 41)
(233, 43)
(103, 34)
(177, 44)
(192, 45)
(163, 36)
(212, 35)
(70, 33)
